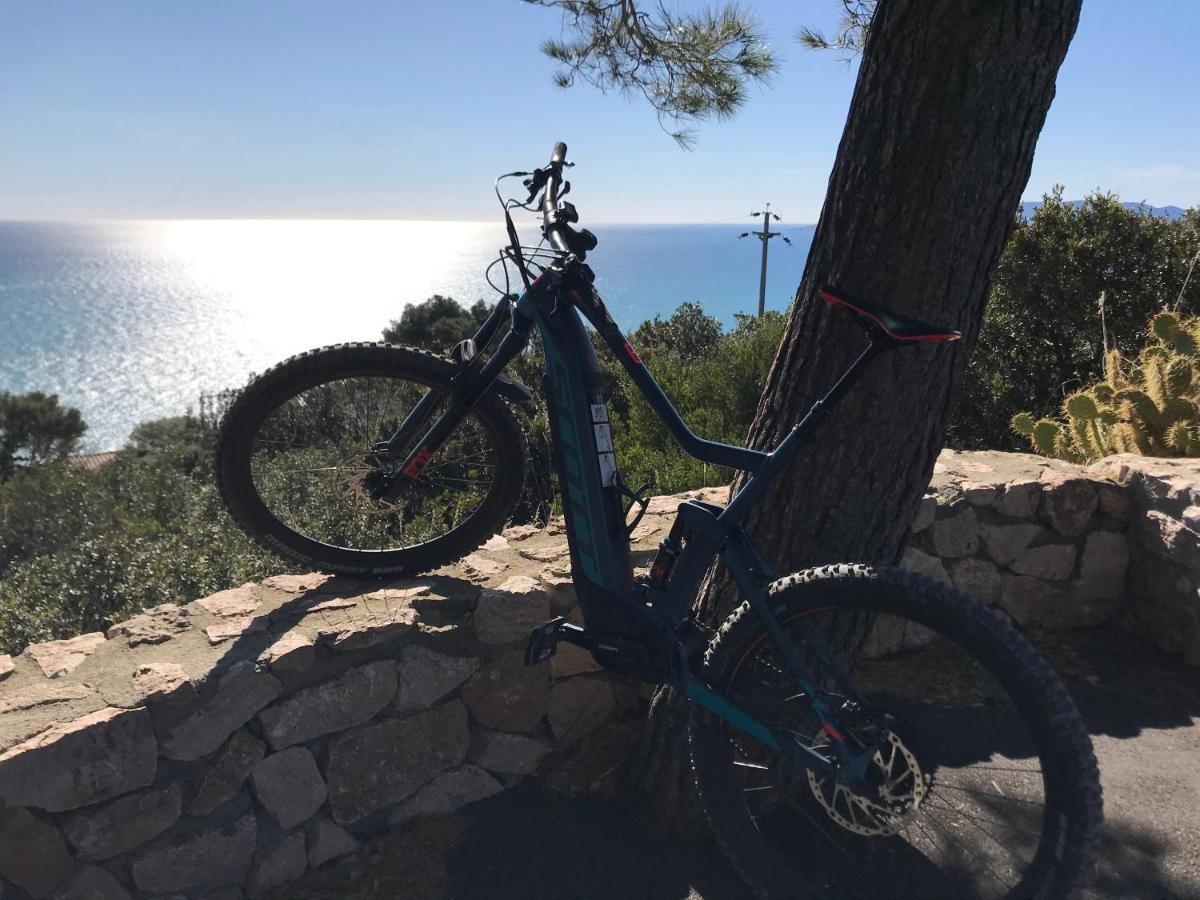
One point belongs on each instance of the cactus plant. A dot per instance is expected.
(1149, 405)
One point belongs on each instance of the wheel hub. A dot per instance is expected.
(894, 789)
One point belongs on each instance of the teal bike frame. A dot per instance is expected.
(644, 627)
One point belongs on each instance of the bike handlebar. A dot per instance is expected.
(556, 232)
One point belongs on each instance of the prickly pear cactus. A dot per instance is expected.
(1149, 405)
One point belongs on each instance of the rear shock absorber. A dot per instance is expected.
(664, 560)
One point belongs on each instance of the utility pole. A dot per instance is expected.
(765, 235)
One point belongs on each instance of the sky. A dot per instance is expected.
(401, 109)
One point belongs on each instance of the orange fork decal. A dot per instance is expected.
(418, 462)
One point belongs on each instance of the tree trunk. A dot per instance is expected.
(950, 98)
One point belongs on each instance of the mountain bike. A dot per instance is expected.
(854, 730)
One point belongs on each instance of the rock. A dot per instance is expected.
(6, 666)
(510, 612)
(1103, 566)
(476, 566)
(578, 707)
(91, 883)
(296, 584)
(160, 680)
(235, 627)
(521, 532)
(291, 652)
(925, 514)
(1169, 539)
(497, 543)
(87, 760)
(977, 578)
(923, 564)
(559, 587)
(507, 754)
(229, 893)
(58, 658)
(228, 772)
(211, 854)
(1020, 499)
(277, 865)
(979, 493)
(370, 629)
(1028, 600)
(288, 786)
(1068, 502)
(238, 601)
(1191, 517)
(545, 554)
(447, 793)
(241, 692)
(956, 535)
(1114, 501)
(1004, 543)
(507, 695)
(891, 634)
(348, 700)
(101, 832)
(153, 626)
(327, 840)
(569, 660)
(377, 766)
(32, 853)
(426, 676)
(1050, 562)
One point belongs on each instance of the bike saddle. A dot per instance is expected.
(899, 328)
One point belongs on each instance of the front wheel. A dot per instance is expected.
(980, 778)
(298, 463)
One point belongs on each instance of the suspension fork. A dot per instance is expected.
(467, 387)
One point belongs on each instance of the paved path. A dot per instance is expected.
(533, 842)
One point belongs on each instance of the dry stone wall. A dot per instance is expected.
(220, 749)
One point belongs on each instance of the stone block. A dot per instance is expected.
(288, 786)
(369, 629)
(977, 578)
(101, 832)
(241, 692)
(58, 658)
(1170, 539)
(1068, 502)
(239, 601)
(91, 883)
(447, 793)
(1103, 566)
(327, 840)
(926, 513)
(228, 772)
(1114, 500)
(208, 855)
(570, 660)
(1028, 600)
(32, 853)
(506, 754)
(348, 700)
(923, 564)
(6, 666)
(508, 613)
(1004, 543)
(577, 707)
(290, 652)
(277, 865)
(153, 626)
(1050, 562)
(426, 676)
(478, 566)
(1020, 499)
(956, 535)
(377, 766)
(87, 760)
(980, 493)
(507, 695)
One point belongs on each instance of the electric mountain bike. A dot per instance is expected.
(854, 730)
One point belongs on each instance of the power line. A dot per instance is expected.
(765, 235)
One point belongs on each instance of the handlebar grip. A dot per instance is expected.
(559, 155)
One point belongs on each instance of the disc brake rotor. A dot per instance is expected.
(894, 779)
(351, 485)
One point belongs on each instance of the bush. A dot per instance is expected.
(1042, 336)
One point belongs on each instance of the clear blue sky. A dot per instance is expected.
(401, 109)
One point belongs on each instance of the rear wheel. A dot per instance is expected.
(980, 777)
(297, 464)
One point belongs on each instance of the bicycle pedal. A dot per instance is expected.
(543, 641)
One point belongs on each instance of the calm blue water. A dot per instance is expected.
(133, 321)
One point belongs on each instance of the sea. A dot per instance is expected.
(131, 321)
